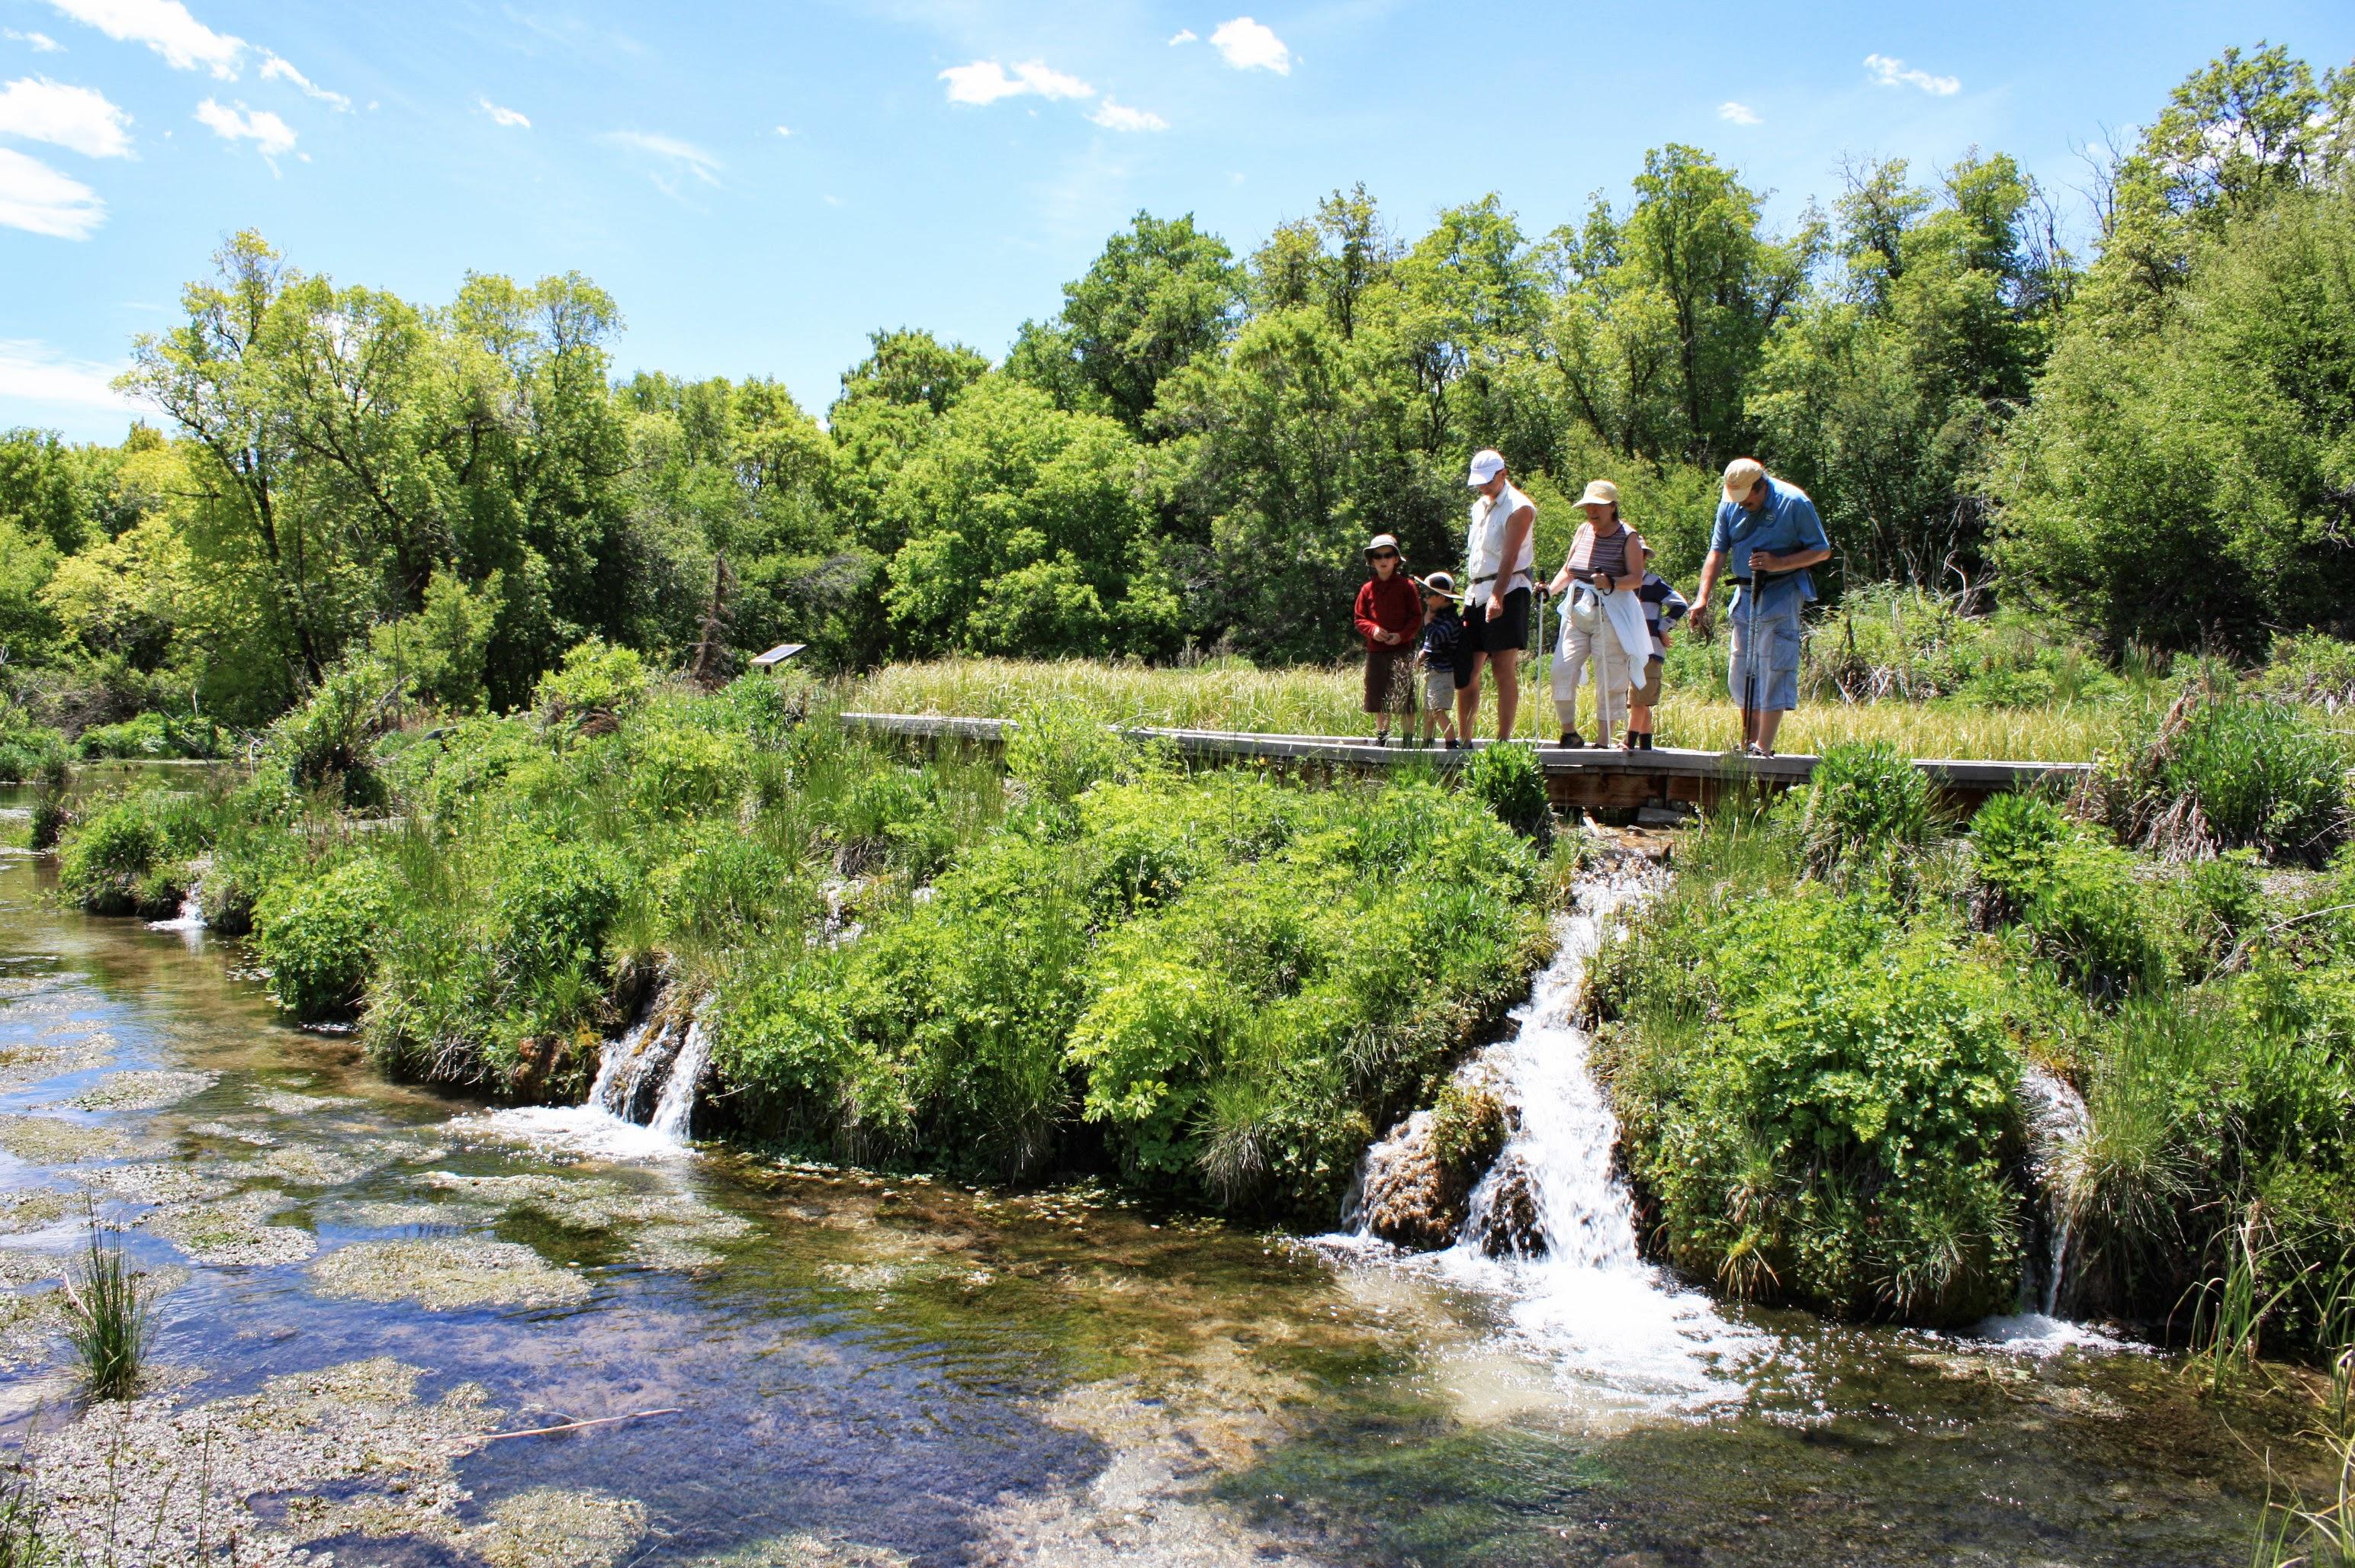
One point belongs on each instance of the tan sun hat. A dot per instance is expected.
(1442, 583)
(1600, 493)
(1742, 475)
(1382, 541)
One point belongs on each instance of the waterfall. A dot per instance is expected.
(1550, 1229)
(676, 1109)
(2058, 1123)
(641, 1105)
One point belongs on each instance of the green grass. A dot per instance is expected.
(110, 1320)
(1313, 699)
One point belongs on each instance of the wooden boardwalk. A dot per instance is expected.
(1593, 778)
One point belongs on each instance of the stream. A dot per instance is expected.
(363, 1286)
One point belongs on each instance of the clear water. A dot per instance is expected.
(885, 1370)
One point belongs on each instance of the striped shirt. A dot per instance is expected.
(1606, 553)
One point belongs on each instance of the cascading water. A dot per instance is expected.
(1550, 1228)
(2058, 1123)
(642, 1104)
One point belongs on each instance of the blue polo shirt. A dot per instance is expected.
(1787, 522)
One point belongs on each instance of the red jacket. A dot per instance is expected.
(1392, 605)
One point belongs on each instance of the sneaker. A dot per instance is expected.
(1383, 739)
(1571, 741)
(1453, 744)
(1756, 750)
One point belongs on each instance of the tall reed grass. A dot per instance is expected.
(110, 1319)
(1309, 700)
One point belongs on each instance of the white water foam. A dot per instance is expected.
(584, 1131)
(2037, 1334)
(676, 1110)
(656, 1050)
(1617, 1330)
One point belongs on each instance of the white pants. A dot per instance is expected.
(1587, 637)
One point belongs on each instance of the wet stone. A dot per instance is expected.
(447, 1275)
(27, 1061)
(60, 1140)
(234, 1231)
(33, 1209)
(358, 1429)
(145, 1089)
(161, 1181)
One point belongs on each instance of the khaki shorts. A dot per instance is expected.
(1647, 691)
(1439, 691)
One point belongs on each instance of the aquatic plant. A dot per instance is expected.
(110, 1318)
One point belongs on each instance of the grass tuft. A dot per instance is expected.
(110, 1319)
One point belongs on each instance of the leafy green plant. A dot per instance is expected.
(1862, 802)
(1508, 781)
(317, 933)
(104, 864)
(594, 686)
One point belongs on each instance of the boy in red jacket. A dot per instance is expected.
(1389, 614)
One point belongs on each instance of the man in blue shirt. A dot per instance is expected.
(1768, 532)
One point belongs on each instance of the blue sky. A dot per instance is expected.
(761, 185)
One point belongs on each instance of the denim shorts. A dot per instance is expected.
(1772, 665)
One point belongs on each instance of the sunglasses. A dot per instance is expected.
(1383, 555)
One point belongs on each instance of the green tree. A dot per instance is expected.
(1162, 293)
(1026, 534)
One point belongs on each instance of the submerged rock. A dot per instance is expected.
(1409, 1196)
(1507, 1223)
(1415, 1186)
(447, 1276)
(145, 1089)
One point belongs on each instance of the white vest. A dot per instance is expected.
(1484, 548)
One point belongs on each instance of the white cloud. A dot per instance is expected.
(35, 198)
(270, 136)
(39, 43)
(163, 25)
(986, 81)
(79, 118)
(682, 156)
(1183, 36)
(1114, 116)
(1737, 113)
(502, 115)
(781, 131)
(1890, 72)
(1250, 45)
(37, 373)
(277, 68)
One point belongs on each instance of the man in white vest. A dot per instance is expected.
(1499, 554)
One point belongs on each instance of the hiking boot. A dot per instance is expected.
(1573, 740)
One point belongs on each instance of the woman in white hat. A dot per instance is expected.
(1603, 573)
(1389, 614)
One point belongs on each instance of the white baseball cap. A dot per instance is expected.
(1487, 463)
(1741, 476)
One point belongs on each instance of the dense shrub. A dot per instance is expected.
(2080, 899)
(1818, 1111)
(1232, 982)
(1863, 803)
(596, 683)
(328, 741)
(2262, 774)
(28, 752)
(1508, 781)
(318, 936)
(151, 735)
(105, 865)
